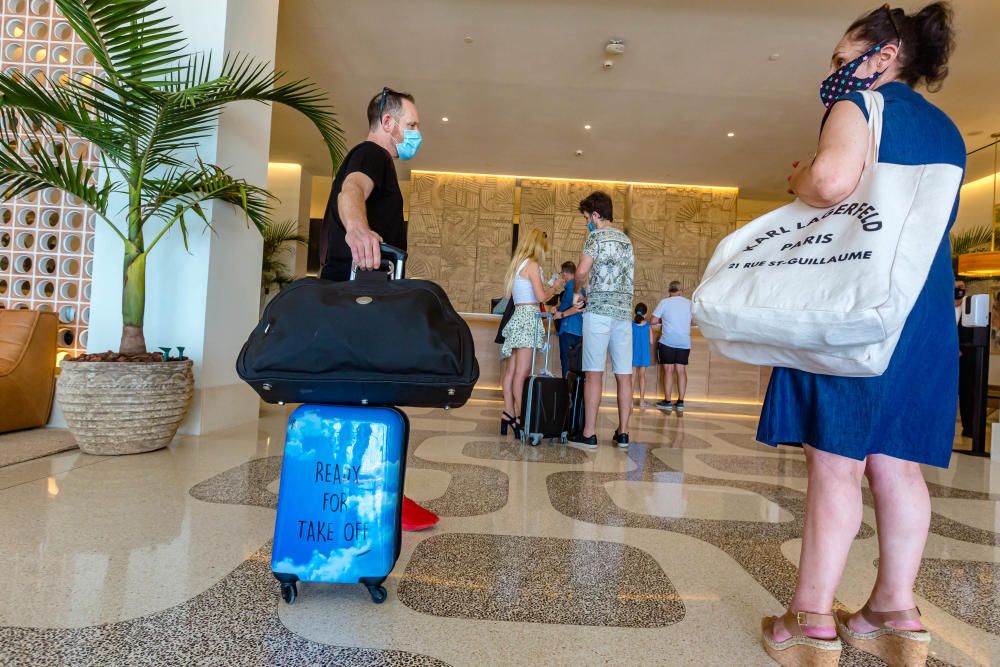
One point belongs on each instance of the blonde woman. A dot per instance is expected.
(526, 289)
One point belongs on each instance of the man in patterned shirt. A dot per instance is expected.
(608, 263)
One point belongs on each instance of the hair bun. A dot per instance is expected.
(935, 36)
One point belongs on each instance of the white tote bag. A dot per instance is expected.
(827, 290)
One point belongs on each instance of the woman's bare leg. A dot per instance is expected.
(833, 517)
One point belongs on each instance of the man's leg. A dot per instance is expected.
(564, 353)
(596, 334)
(624, 382)
(592, 397)
(682, 381)
(620, 346)
(668, 381)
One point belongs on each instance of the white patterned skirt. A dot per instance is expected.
(523, 330)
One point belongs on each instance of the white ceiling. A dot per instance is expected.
(519, 95)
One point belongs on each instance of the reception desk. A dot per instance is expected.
(711, 377)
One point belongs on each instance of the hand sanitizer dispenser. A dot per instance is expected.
(976, 311)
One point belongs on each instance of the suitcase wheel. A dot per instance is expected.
(536, 438)
(378, 593)
(289, 592)
(564, 438)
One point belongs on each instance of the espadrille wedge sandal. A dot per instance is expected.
(800, 650)
(898, 648)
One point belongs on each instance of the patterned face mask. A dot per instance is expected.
(843, 81)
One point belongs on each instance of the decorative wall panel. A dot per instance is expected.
(47, 239)
(461, 228)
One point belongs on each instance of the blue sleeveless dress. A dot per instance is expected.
(908, 412)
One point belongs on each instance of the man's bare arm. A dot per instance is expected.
(363, 242)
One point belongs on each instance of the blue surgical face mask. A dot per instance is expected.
(590, 224)
(411, 144)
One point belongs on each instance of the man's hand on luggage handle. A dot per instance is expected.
(364, 245)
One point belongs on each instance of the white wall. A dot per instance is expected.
(975, 204)
(205, 298)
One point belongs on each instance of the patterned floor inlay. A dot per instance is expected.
(755, 545)
(539, 580)
(243, 485)
(766, 466)
(969, 590)
(473, 489)
(515, 450)
(234, 623)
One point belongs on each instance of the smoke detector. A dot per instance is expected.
(615, 47)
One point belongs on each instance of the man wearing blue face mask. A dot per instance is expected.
(366, 206)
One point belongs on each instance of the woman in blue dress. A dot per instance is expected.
(882, 427)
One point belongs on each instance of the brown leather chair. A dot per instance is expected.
(27, 368)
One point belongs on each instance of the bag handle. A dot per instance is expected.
(875, 104)
(392, 266)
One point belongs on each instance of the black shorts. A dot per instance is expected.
(672, 355)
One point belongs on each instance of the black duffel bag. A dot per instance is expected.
(370, 341)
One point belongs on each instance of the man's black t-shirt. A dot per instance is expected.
(384, 207)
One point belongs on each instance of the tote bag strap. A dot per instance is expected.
(875, 104)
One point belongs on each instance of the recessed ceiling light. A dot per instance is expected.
(774, 56)
(586, 127)
(444, 119)
(974, 133)
(468, 40)
(731, 134)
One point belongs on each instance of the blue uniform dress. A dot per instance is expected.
(640, 345)
(909, 411)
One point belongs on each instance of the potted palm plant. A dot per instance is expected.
(279, 238)
(145, 110)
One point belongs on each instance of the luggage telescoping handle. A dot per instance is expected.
(548, 343)
(526, 431)
(393, 263)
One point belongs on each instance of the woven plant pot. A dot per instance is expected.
(124, 407)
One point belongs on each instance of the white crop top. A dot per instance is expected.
(522, 292)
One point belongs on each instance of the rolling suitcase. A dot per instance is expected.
(577, 404)
(340, 499)
(544, 400)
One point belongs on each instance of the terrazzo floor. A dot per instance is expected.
(668, 553)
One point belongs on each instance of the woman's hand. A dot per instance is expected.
(797, 168)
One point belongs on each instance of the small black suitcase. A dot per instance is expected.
(545, 400)
(577, 404)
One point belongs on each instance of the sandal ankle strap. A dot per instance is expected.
(794, 620)
(880, 618)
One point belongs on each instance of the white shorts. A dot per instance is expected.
(603, 334)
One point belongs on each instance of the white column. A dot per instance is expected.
(206, 298)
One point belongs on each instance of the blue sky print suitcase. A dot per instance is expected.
(340, 497)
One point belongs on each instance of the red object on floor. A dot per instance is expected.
(416, 517)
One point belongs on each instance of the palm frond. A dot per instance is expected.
(974, 239)
(278, 234)
(185, 193)
(254, 81)
(30, 104)
(20, 177)
(132, 40)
